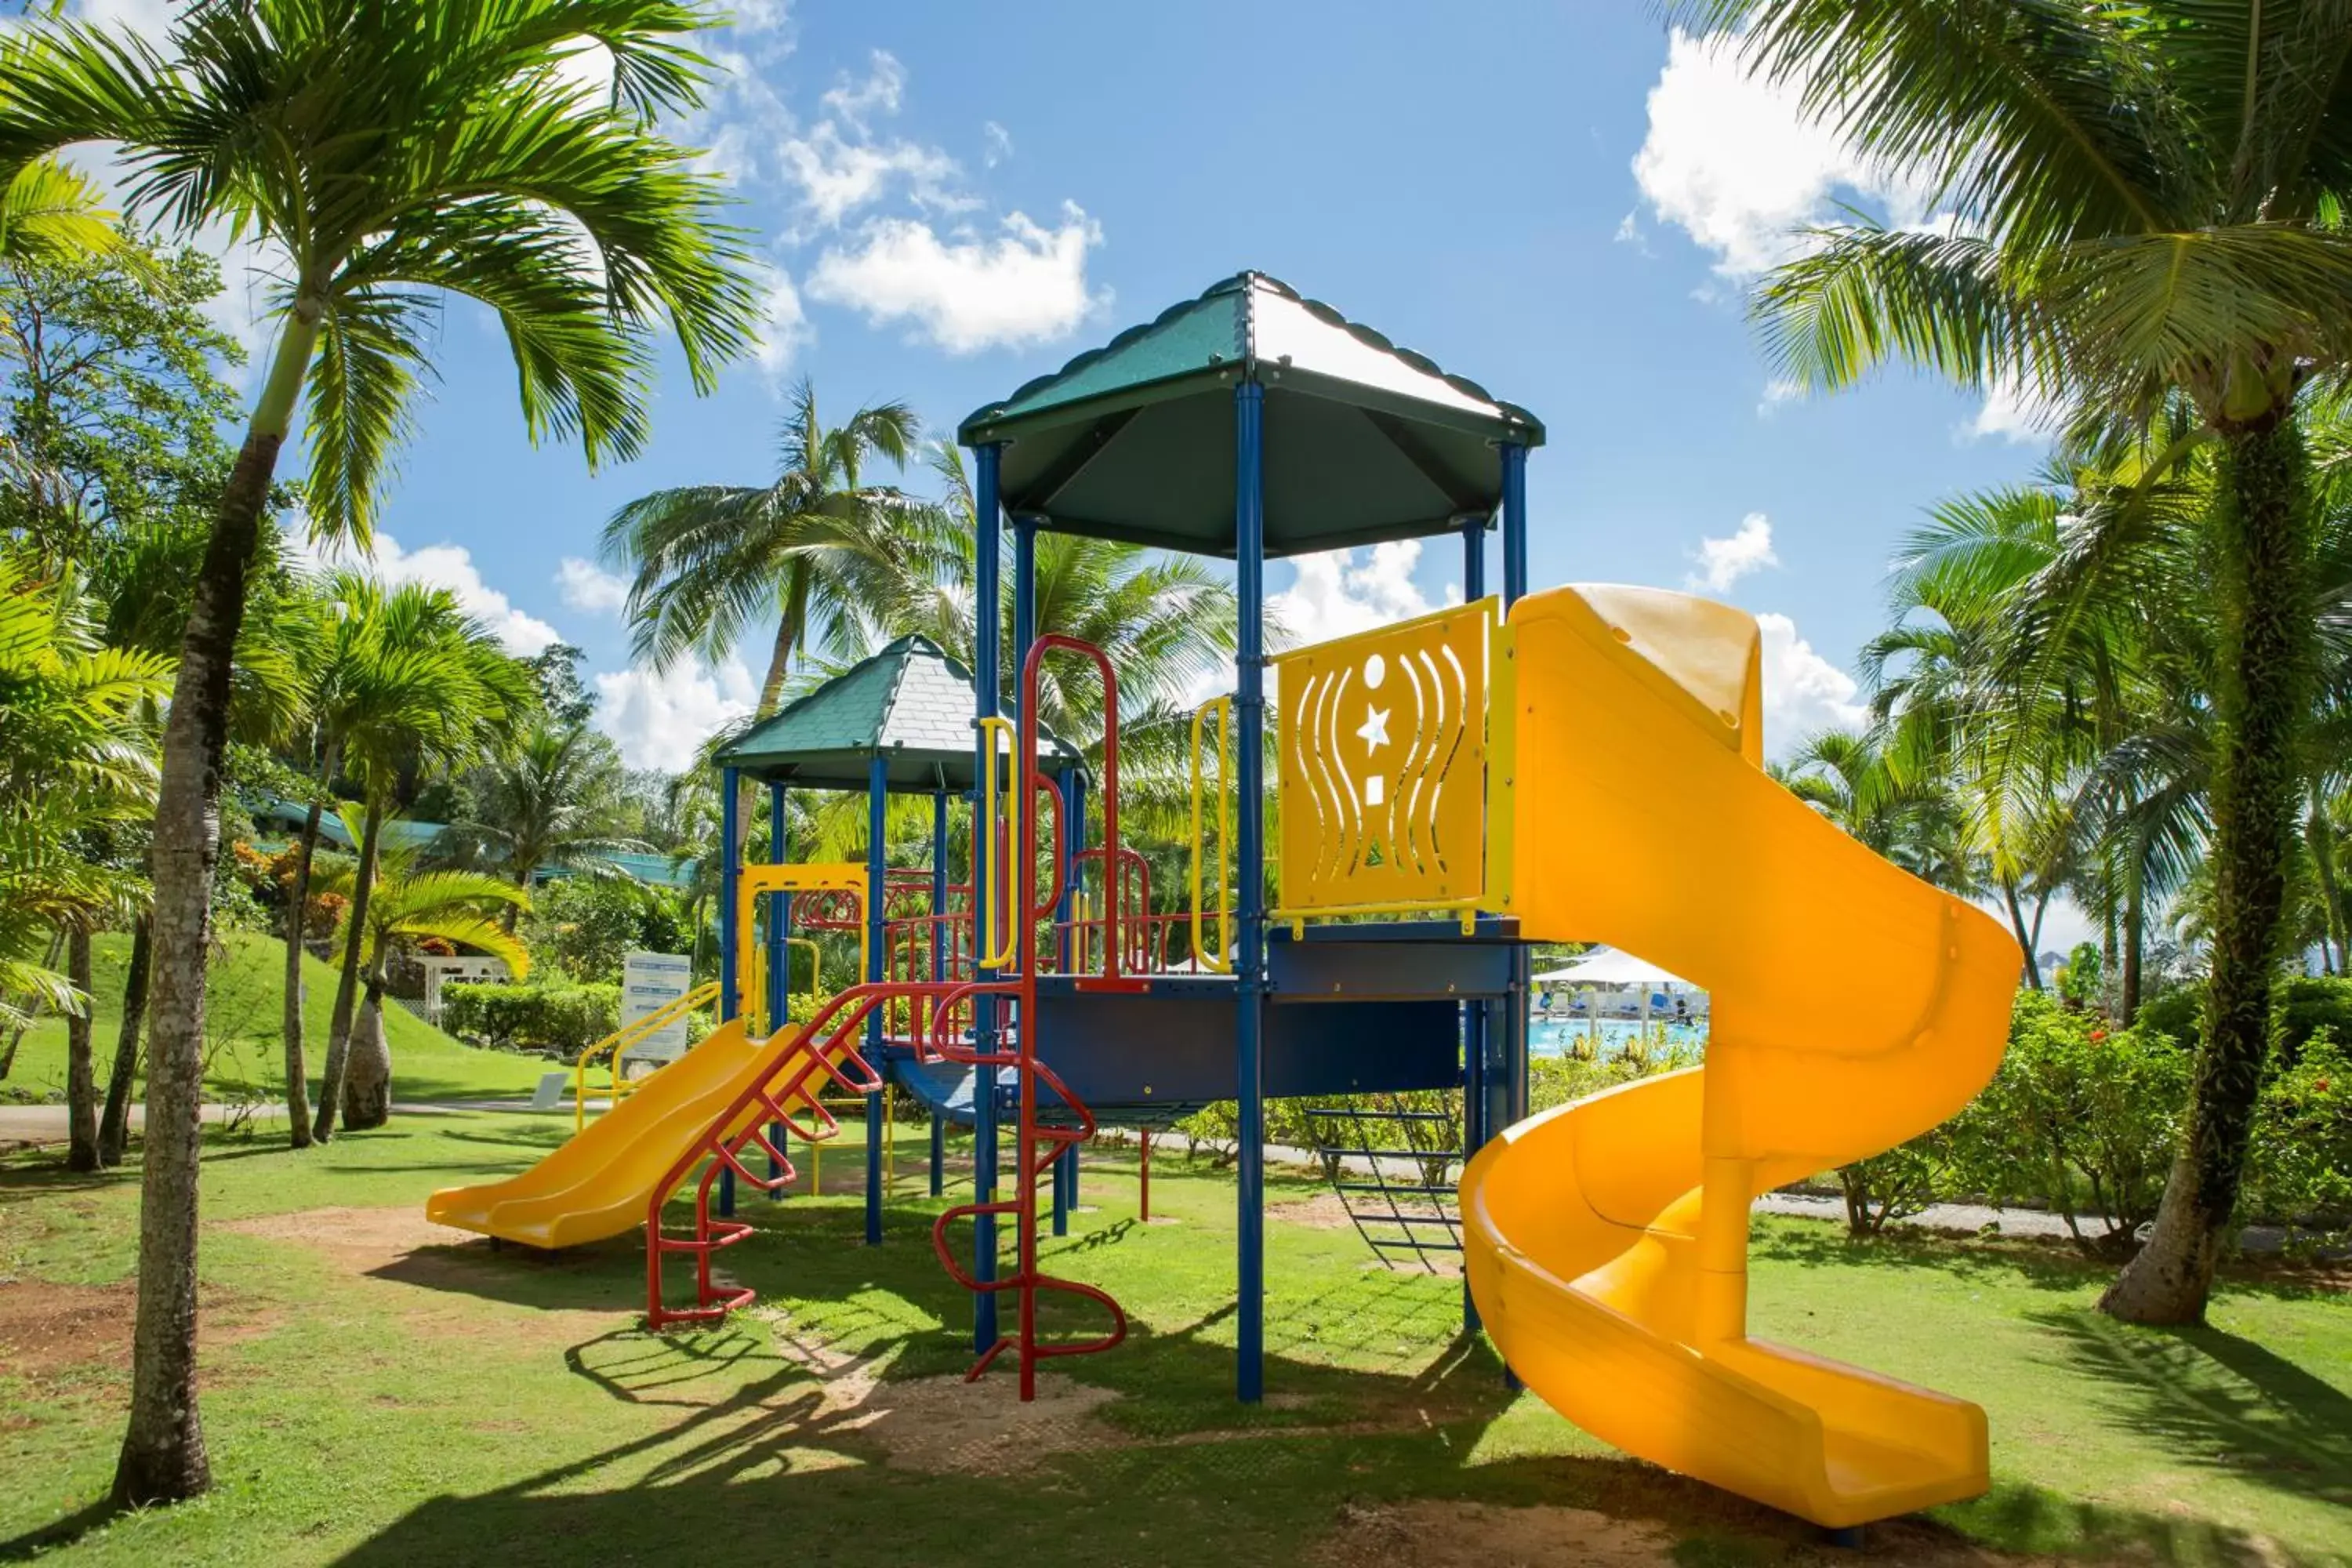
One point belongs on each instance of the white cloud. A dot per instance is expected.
(966, 293)
(1723, 562)
(659, 720)
(2012, 412)
(784, 330)
(449, 566)
(997, 143)
(884, 88)
(838, 175)
(1339, 592)
(1778, 391)
(1736, 162)
(1803, 692)
(588, 586)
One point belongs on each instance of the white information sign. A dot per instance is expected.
(649, 982)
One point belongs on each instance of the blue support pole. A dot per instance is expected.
(730, 878)
(779, 919)
(1477, 1125)
(878, 863)
(1514, 523)
(988, 509)
(1074, 815)
(1249, 871)
(939, 930)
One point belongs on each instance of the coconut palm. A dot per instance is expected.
(407, 906)
(378, 669)
(819, 548)
(1912, 820)
(556, 802)
(51, 214)
(439, 694)
(2146, 203)
(390, 156)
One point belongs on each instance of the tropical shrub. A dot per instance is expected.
(584, 925)
(567, 1019)
(2302, 1007)
(2081, 1116)
(2299, 1171)
(1902, 1182)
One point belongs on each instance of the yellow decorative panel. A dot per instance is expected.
(1383, 768)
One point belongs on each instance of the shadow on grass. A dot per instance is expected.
(2216, 1402)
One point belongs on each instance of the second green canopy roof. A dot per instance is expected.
(910, 704)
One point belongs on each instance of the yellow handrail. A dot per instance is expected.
(622, 1038)
(1216, 962)
(816, 972)
(992, 854)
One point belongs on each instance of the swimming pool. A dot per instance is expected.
(1549, 1037)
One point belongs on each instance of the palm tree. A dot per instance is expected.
(2146, 201)
(50, 214)
(407, 906)
(1911, 820)
(368, 678)
(557, 801)
(445, 695)
(390, 155)
(76, 765)
(819, 548)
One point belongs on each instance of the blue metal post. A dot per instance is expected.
(730, 877)
(1514, 523)
(1477, 1123)
(779, 919)
(1249, 871)
(1513, 1086)
(939, 932)
(878, 863)
(987, 509)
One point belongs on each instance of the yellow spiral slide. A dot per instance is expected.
(1853, 1006)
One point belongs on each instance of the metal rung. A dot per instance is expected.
(1447, 1220)
(1411, 1244)
(1391, 1153)
(1424, 1191)
(1386, 1115)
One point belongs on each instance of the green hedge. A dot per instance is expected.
(563, 1018)
(2302, 1007)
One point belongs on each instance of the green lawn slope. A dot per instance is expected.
(244, 1049)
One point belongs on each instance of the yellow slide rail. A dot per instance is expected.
(618, 1042)
(996, 948)
(1211, 957)
(1387, 770)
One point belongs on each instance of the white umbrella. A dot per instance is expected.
(1609, 967)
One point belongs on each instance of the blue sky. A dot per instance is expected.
(1561, 203)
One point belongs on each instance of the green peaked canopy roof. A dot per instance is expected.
(910, 704)
(1364, 441)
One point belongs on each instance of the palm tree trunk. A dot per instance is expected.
(2262, 695)
(339, 1029)
(162, 1457)
(114, 1122)
(2319, 834)
(298, 906)
(2024, 937)
(367, 1060)
(2135, 939)
(81, 1071)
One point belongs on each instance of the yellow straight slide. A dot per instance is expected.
(597, 1184)
(1852, 1007)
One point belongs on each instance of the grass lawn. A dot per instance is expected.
(244, 995)
(376, 1391)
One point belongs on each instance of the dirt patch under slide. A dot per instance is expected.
(1434, 1534)
(362, 1236)
(946, 1423)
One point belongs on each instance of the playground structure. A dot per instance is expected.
(1436, 817)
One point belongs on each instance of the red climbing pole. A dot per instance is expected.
(1039, 1145)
